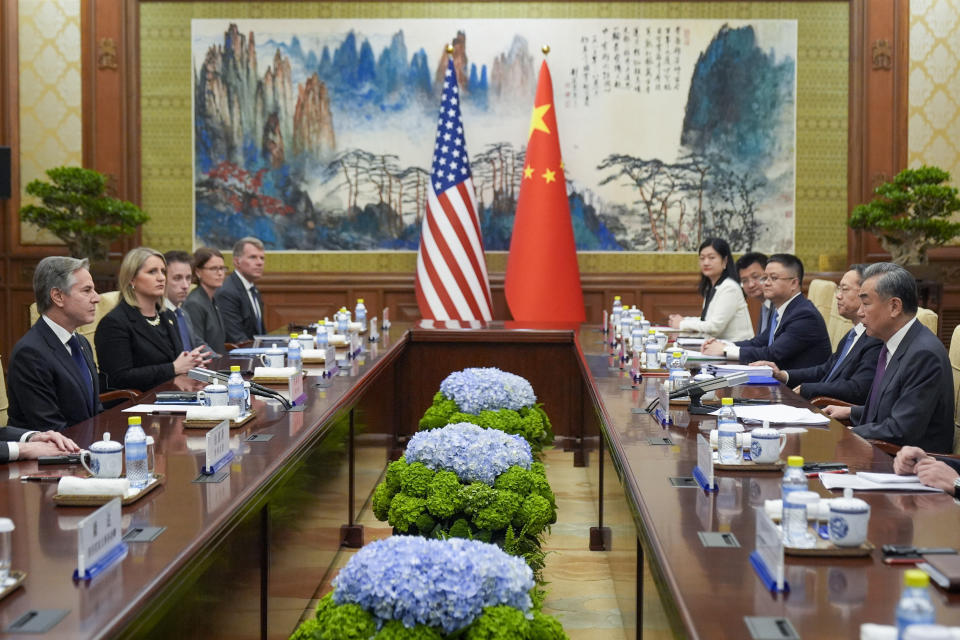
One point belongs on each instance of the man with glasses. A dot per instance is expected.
(848, 373)
(796, 335)
(750, 267)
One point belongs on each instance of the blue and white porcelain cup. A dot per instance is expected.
(849, 518)
(273, 357)
(104, 459)
(215, 395)
(766, 445)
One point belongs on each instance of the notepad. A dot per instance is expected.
(874, 482)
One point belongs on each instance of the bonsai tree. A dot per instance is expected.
(76, 209)
(911, 214)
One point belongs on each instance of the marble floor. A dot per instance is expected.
(580, 589)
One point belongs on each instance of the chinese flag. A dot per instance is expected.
(543, 279)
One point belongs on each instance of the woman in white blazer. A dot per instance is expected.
(725, 314)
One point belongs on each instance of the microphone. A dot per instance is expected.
(213, 377)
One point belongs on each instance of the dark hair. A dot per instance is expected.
(859, 268)
(893, 281)
(791, 262)
(176, 255)
(721, 247)
(748, 259)
(202, 256)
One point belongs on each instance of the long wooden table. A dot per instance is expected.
(241, 559)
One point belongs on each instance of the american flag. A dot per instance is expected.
(452, 279)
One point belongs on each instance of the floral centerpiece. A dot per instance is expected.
(465, 481)
(493, 399)
(407, 587)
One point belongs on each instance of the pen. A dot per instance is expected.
(40, 478)
(814, 474)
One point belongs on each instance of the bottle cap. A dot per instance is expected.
(616, 297)
(795, 461)
(727, 402)
(322, 322)
(652, 332)
(359, 300)
(131, 420)
(293, 335)
(915, 578)
(234, 368)
(6, 525)
(678, 354)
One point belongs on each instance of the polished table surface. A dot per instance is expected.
(714, 588)
(708, 591)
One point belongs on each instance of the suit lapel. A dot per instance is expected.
(154, 337)
(58, 351)
(791, 307)
(894, 365)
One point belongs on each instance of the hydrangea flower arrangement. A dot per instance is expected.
(408, 587)
(493, 399)
(467, 482)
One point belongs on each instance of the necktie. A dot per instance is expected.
(258, 304)
(184, 332)
(845, 349)
(77, 355)
(773, 326)
(875, 387)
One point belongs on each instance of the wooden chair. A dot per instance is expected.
(110, 399)
(837, 325)
(821, 293)
(107, 302)
(4, 401)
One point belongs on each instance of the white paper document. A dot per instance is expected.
(778, 414)
(727, 369)
(160, 408)
(874, 482)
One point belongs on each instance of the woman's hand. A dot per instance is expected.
(675, 320)
(188, 360)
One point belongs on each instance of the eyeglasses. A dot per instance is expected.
(750, 279)
(217, 269)
(775, 279)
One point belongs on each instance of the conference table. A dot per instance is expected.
(241, 558)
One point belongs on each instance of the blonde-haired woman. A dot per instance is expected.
(138, 345)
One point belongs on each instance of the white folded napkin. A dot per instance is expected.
(820, 511)
(228, 412)
(744, 435)
(73, 486)
(275, 372)
(311, 354)
(337, 339)
(355, 327)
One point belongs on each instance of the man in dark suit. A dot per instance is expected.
(943, 474)
(52, 378)
(23, 444)
(911, 398)
(750, 268)
(796, 335)
(848, 373)
(239, 299)
(179, 277)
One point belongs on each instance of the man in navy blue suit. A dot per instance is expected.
(796, 335)
(52, 378)
(911, 397)
(848, 373)
(239, 299)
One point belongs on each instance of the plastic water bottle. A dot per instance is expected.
(794, 479)
(360, 314)
(235, 392)
(343, 321)
(652, 350)
(323, 338)
(729, 451)
(915, 606)
(636, 333)
(615, 315)
(135, 453)
(626, 327)
(675, 361)
(294, 353)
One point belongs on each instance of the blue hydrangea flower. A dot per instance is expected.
(473, 453)
(440, 583)
(477, 389)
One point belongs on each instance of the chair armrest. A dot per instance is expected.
(886, 447)
(113, 398)
(229, 346)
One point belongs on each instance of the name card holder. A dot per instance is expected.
(219, 452)
(603, 326)
(373, 335)
(662, 412)
(99, 543)
(356, 346)
(703, 472)
(295, 387)
(386, 319)
(767, 557)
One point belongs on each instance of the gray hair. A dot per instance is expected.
(242, 244)
(893, 281)
(55, 272)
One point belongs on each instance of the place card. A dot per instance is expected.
(218, 451)
(373, 335)
(295, 389)
(386, 318)
(99, 543)
(703, 472)
(767, 556)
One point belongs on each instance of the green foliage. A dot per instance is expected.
(443, 494)
(425, 523)
(394, 630)
(476, 496)
(535, 514)
(344, 622)
(544, 627)
(75, 208)
(499, 513)
(404, 511)
(461, 529)
(499, 623)
(380, 501)
(530, 423)
(394, 471)
(308, 630)
(415, 479)
(911, 213)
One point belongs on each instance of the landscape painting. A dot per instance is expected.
(318, 135)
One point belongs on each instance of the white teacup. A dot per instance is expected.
(849, 517)
(273, 358)
(766, 445)
(105, 458)
(215, 395)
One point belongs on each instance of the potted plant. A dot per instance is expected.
(911, 214)
(74, 206)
